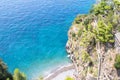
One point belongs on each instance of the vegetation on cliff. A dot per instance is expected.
(5, 75)
(18, 75)
(91, 41)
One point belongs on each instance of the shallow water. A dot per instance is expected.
(33, 33)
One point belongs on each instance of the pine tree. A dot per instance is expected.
(103, 32)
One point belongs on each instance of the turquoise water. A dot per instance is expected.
(33, 33)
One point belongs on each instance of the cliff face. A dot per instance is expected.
(87, 64)
(91, 42)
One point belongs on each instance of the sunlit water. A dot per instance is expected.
(33, 33)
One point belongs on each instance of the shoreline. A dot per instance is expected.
(51, 69)
(56, 72)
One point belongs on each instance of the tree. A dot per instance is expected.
(101, 8)
(18, 75)
(4, 74)
(103, 32)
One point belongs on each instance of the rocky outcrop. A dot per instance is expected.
(91, 42)
(88, 70)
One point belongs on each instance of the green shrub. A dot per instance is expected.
(69, 78)
(80, 33)
(85, 56)
(79, 19)
(18, 75)
(117, 61)
(73, 35)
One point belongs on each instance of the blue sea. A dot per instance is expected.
(33, 33)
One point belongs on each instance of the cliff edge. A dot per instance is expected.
(91, 40)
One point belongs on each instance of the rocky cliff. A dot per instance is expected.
(91, 42)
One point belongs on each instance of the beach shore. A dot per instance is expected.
(61, 73)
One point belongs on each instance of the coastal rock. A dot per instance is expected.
(89, 70)
(91, 42)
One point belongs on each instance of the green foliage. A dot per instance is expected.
(102, 8)
(117, 61)
(4, 74)
(69, 78)
(81, 27)
(79, 19)
(116, 2)
(85, 56)
(87, 23)
(73, 35)
(103, 32)
(87, 37)
(80, 33)
(7, 79)
(18, 75)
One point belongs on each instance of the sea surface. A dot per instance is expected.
(33, 33)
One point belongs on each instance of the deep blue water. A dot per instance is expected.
(33, 33)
